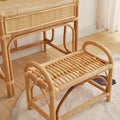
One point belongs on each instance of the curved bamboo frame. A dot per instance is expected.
(45, 38)
(47, 41)
(43, 71)
(64, 63)
(105, 50)
(109, 55)
(73, 38)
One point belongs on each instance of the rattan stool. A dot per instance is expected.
(67, 72)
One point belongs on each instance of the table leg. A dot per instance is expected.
(76, 24)
(9, 82)
(76, 35)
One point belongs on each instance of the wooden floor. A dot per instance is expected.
(110, 40)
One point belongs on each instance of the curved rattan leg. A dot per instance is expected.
(73, 38)
(53, 35)
(103, 79)
(62, 100)
(66, 51)
(64, 39)
(46, 40)
(109, 88)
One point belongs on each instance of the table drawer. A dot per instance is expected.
(36, 19)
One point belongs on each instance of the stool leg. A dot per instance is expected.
(28, 92)
(52, 107)
(109, 88)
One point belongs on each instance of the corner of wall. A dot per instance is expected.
(88, 30)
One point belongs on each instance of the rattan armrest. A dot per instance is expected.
(104, 49)
(42, 70)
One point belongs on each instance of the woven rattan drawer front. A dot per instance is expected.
(27, 21)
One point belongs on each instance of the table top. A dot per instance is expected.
(17, 7)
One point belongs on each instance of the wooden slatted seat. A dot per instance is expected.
(66, 73)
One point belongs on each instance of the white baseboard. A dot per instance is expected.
(86, 31)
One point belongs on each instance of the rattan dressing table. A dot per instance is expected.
(22, 18)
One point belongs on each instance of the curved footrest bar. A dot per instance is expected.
(62, 100)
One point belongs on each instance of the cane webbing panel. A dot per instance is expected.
(36, 19)
(71, 68)
(27, 14)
